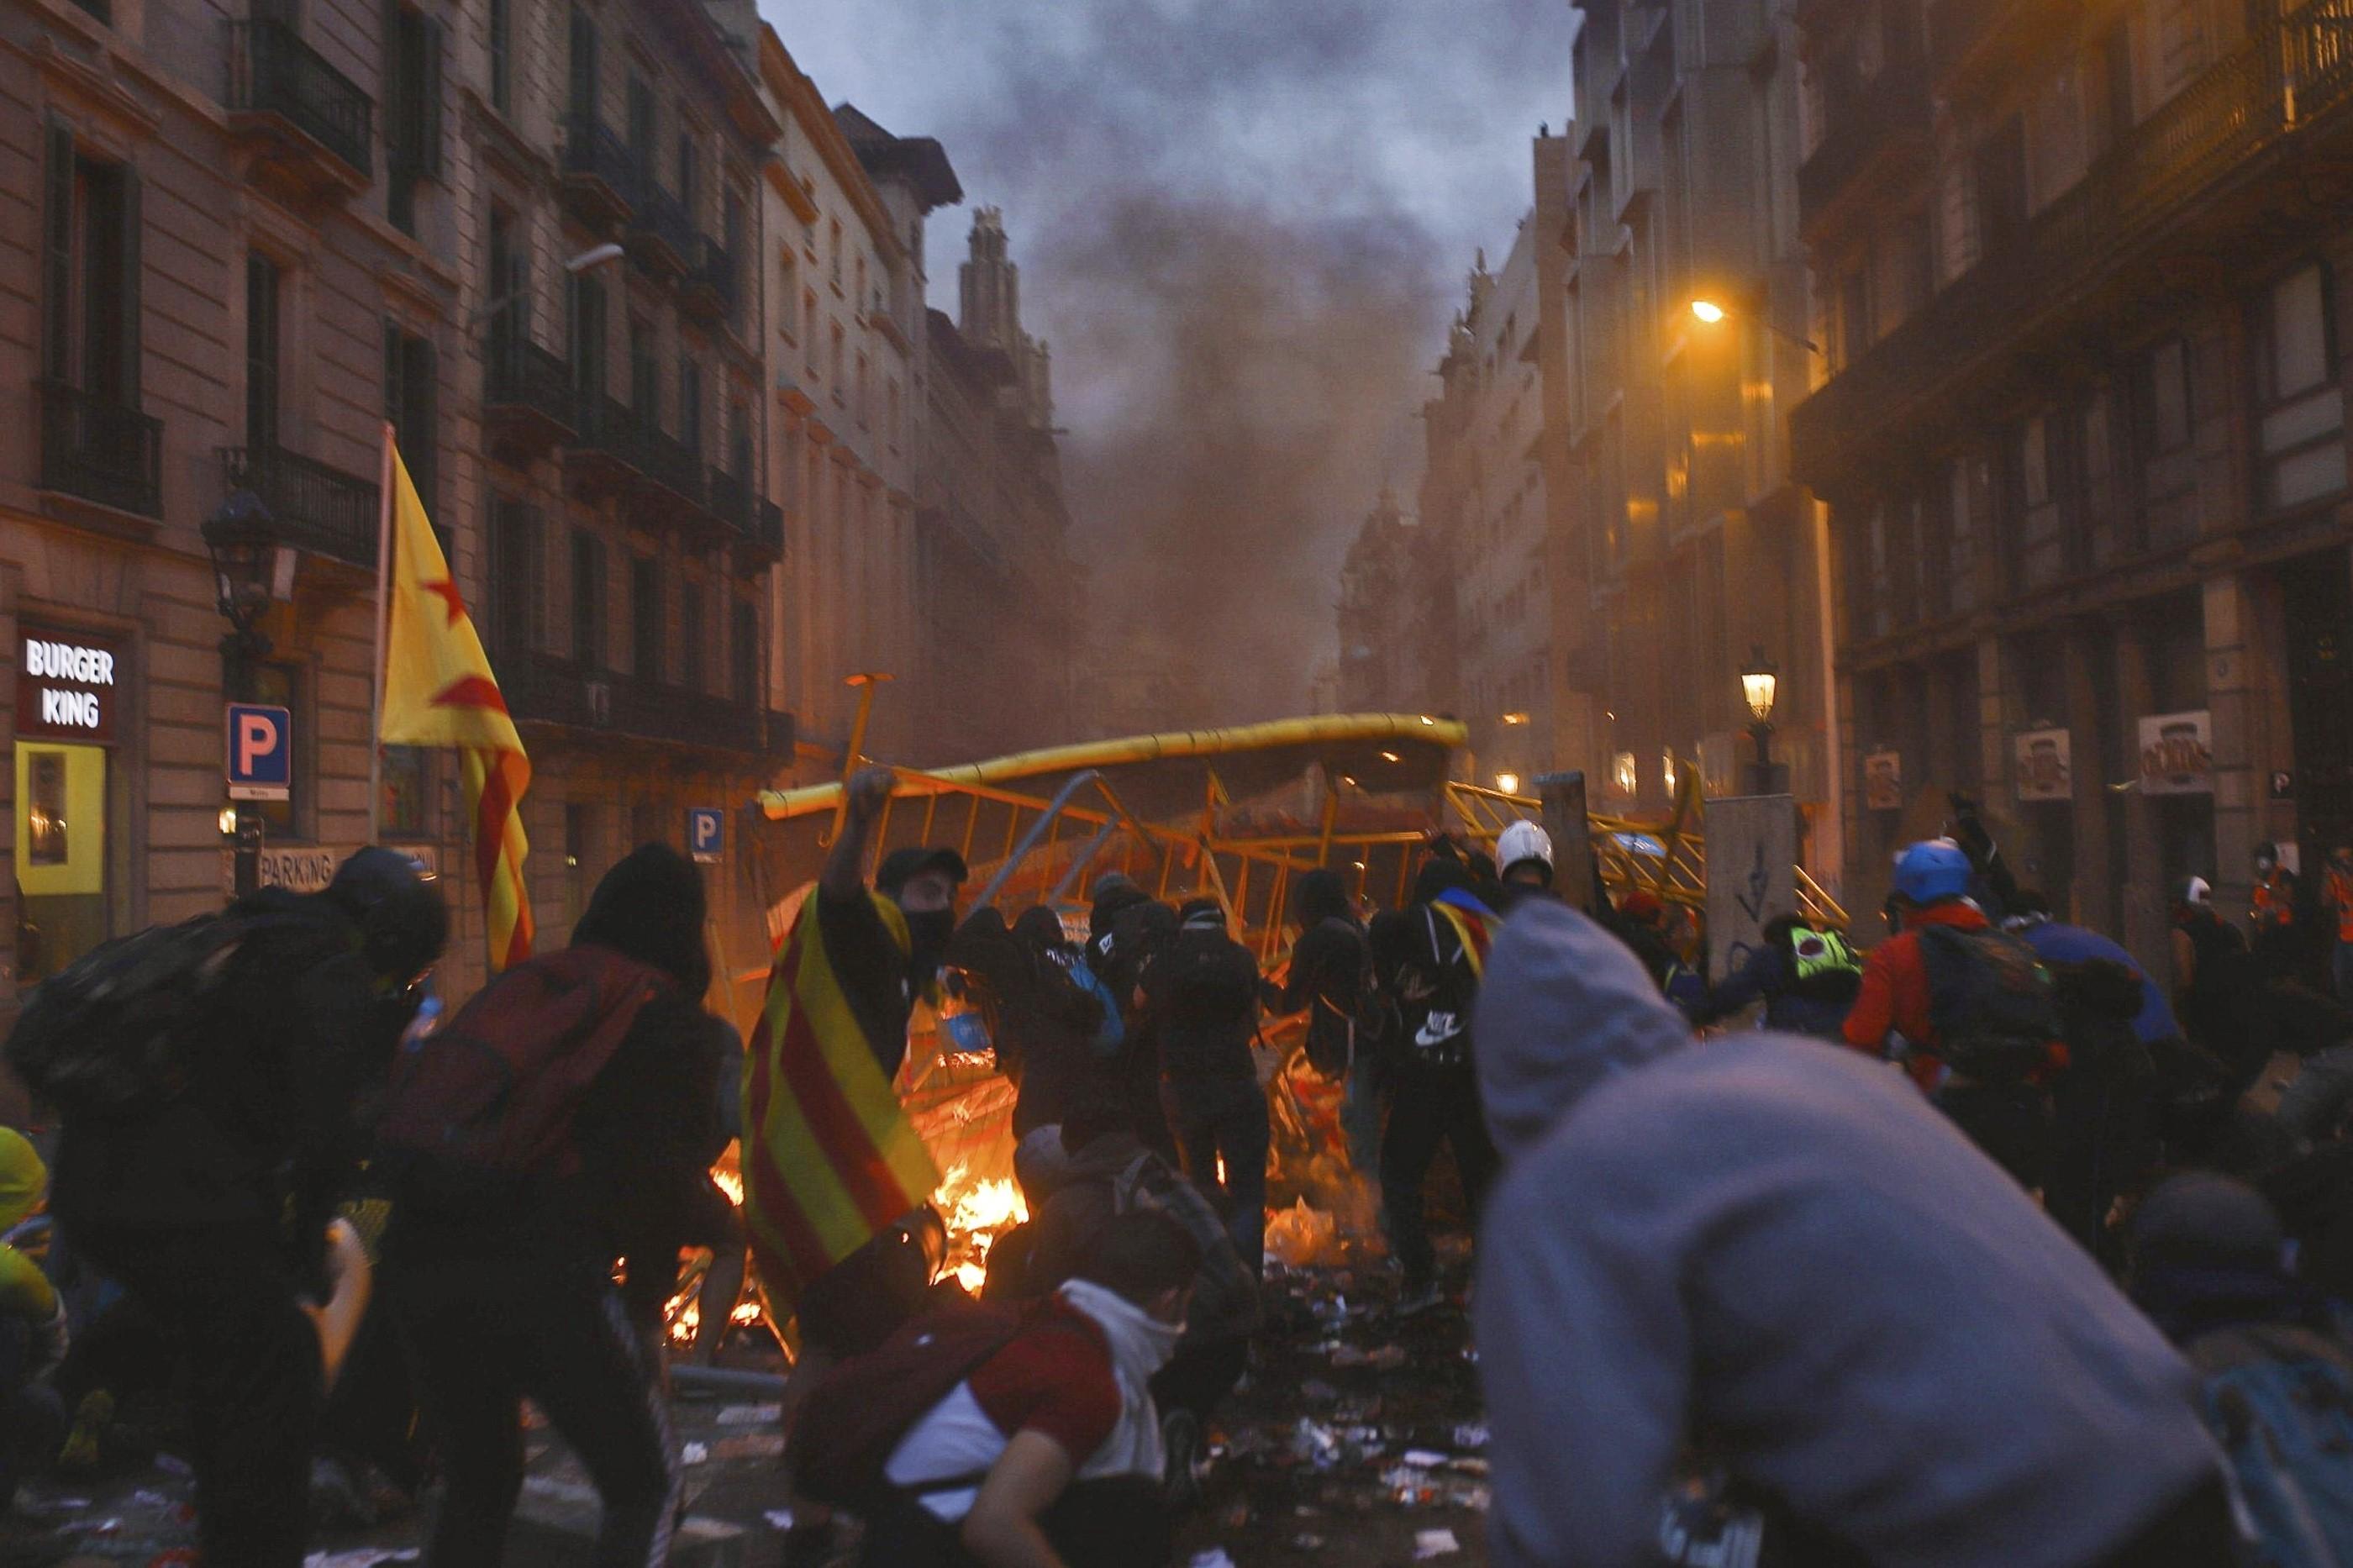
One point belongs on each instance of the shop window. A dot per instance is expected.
(2302, 432)
(61, 906)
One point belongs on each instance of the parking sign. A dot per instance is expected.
(258, 752)
(706, 833)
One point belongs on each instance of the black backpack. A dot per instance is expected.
(112, 1035)
(1991, 1002)
(1339, 1031)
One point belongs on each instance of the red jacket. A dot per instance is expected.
(1894, 994)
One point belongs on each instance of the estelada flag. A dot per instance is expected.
(830, 1160)
(438, 691)
(1474, 925)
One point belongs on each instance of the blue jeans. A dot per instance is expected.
(1361, 1105)
(1225, 1116)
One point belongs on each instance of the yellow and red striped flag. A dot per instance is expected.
(438, 691)
(830, 1160)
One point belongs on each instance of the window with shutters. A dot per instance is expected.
(692, 635)
(833, 366)
(580, 97)
(689, 405)
(690, 173)
(506, 286)
(646, 617)
(412, 110)
(502, 23)
(808, 332)
(642, 128)
(411, 401)
(516, 582)
(739, 442)
(91, 331)
(260, 352)
(2300, 433)
(645, 374)
(588, 646)
(744, 653)
(584, 299)
(788, 281)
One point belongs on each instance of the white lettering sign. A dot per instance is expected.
(79, 708)
(68, 662)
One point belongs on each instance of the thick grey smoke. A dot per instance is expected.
(1241, 225)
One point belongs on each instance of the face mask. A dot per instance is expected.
(930, 930)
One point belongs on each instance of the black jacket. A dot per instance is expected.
(1201, 997)
(1041, 1022)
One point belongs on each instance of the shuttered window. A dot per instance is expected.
(412, 110)
(588, 646)
(411, 401)
(260, 352)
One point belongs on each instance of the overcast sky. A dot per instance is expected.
(1241, 225)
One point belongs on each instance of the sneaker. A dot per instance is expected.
(1415, 1299)
(1180, 1438)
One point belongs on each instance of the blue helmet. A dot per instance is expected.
(1930, 870)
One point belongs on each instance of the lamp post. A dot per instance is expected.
(250, 568)
(1760, 683)
(1714, 312)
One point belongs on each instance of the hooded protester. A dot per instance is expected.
(1807, 978)
(874, 952)
(498, 1271)
(1201, 1002)
(2208, 1262)
(1430, 958)
(1780, 1261)
(213, 1204)
(1124, 928)
(1043, 1023)
(1332, 978)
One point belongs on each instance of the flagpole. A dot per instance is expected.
(383, 606)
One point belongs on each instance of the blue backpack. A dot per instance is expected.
(2279, 1399)
(1112, 1033)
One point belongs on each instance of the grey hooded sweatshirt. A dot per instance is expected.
(1777, 1252)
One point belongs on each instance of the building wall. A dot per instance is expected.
(359, 269)
(1690, 548)
(2095, 477)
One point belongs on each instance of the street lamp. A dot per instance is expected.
(1508, 782)
(250, 569)
(586, 261)
(1714, 313)
(1760, 683)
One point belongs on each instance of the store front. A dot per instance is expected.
(69, 691)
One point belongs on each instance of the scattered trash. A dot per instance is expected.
(1429, 1543)
(779, 1517)
(1471, 1434)
(1422, 1458)
(1307, 1543)
(750, 1445)
(1215, 1557)
(173, 1464)
(364, 1557)
(1389, 1358)
(1315, 1445)
(751, 1414)
(694, 1454)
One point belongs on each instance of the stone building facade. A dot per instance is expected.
(1688, 546)
(998, 595)
(1396, 617)
(2083, 436)
(232, 251)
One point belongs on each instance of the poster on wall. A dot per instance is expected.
(2045, 765)
(1882, 781)
(2177, 753)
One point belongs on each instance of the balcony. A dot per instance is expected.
(709, 291)
(1964, 33)
(306, 119)
(673, 472)
(318, 509)
(528, 401)
(767, 541)
(600, 175)
(660, 234)
(1865, 126)
(2289, 79)
(100, 450)
(541, 689)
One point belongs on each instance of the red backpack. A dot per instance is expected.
(495, 1088)
(859, 1411)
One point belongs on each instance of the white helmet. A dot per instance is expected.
(2197, 892)
(1520, 843)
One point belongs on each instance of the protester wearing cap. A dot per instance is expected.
(1524, 851)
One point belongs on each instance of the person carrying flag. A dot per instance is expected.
(834, 1176)
(1429, 959)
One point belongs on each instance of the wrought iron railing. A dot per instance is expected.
(100, 450)
(592, 150)
(730, 502)
(714, 271)
(544, 688)
(272, 71)
(672, 464)
(770, 533)
(2291, 70)
(317, 507)
(657, 215)
(521, 374)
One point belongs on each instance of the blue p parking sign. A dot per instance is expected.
(258, 752)
(706, 833)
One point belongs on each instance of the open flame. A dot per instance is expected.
(978, 1210)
